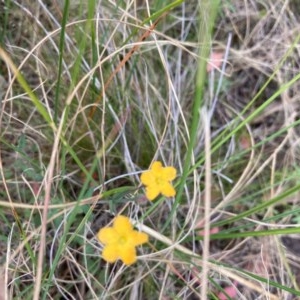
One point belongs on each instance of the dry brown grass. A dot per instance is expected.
(145, 109)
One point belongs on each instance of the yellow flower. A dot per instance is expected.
(120, 241)
(157, 181)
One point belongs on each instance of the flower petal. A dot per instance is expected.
(127, 255)
(168, 173)
(156, 167)
(122, 225)
(110, 253)
(107, 235)
(167, 190)
(138, 238)
(147, 178)
(152, 192)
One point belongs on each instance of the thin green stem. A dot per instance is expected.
(260, 207)
(268, 232)
(60, 58)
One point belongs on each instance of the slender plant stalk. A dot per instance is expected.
(60, 58)
(207, 203)
(208, 14)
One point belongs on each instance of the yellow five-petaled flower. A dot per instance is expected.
(158, 181)
(120, 241)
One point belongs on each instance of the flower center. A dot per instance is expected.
(158, 180)
(122, 240)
